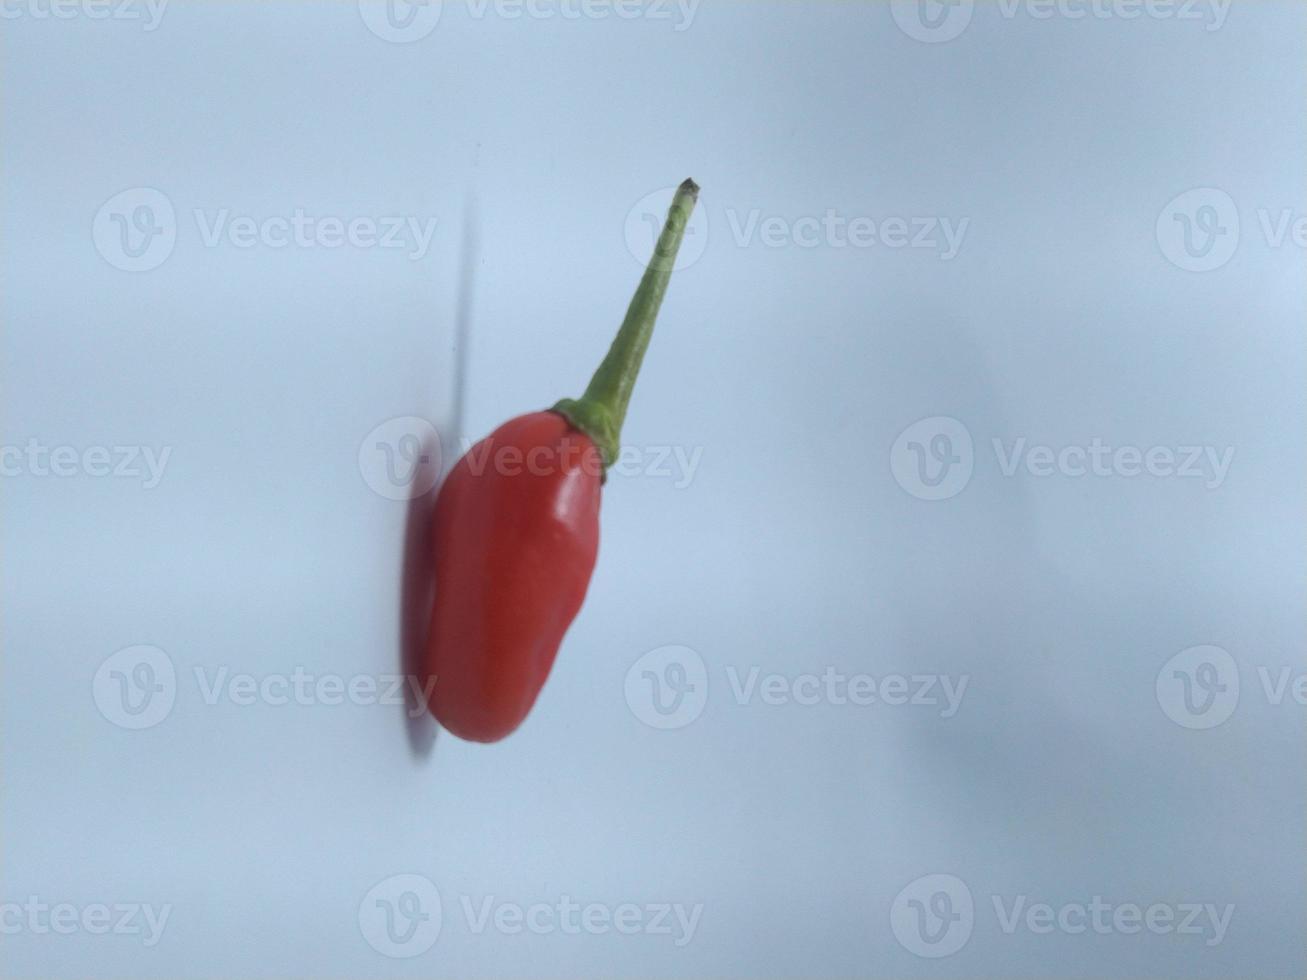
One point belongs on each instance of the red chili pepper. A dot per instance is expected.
(516, 529)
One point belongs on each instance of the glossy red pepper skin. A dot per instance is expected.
(518, 513)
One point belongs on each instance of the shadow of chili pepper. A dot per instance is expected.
(416, 593)
(417, 585)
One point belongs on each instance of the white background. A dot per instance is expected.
(788, 361)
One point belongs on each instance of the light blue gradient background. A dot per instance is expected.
(792, 549)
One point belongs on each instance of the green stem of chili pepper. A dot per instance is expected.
(599, 413)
